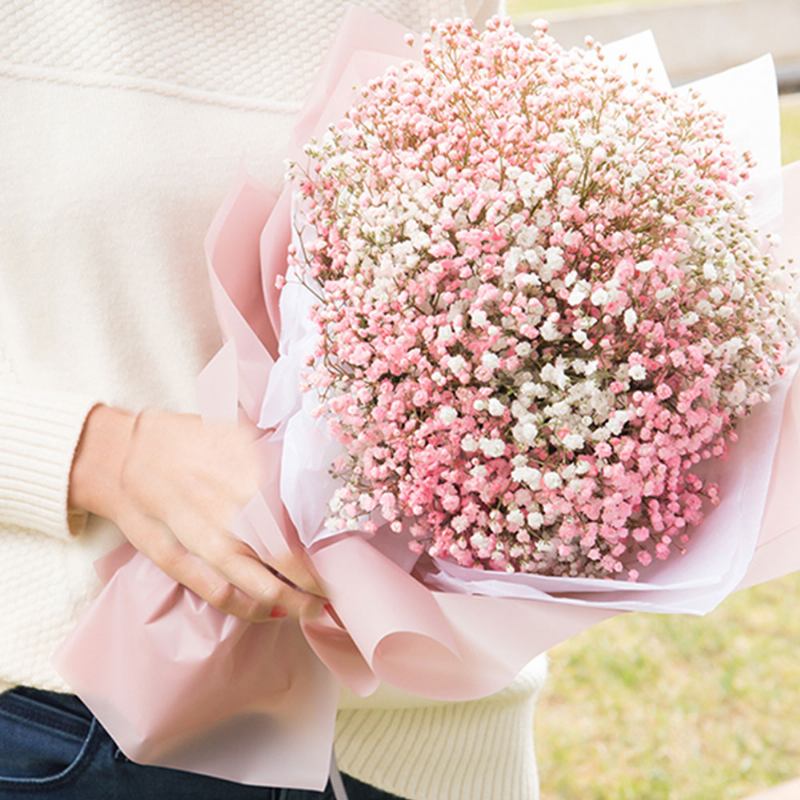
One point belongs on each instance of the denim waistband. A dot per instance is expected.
(70, 703)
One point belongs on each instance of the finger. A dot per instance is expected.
(294, 567)
(151, 537)
(155, 540)
(215, 546)
(213, 587)
(250, 575)
(249, 427)
(299, 570)
(240, 566)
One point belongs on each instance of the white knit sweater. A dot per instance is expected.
(123, 127)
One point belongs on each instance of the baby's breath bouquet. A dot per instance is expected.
(542, 304)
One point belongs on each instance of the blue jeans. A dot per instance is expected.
(52, 746)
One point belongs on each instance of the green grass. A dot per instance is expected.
(791, 129)
(679, 708)
(676, 708)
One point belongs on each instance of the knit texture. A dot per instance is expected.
(124, 124)
(163, 44)
(38, 434)
(479, 749)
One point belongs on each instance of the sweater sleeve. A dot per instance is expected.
(39, 433)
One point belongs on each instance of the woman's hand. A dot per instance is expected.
(173, 484)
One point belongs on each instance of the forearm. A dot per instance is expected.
(95, 476)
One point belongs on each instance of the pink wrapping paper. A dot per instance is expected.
(178, 684)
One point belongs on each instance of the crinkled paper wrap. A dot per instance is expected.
(178, 684)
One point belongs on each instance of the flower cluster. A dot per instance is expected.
(542, 303)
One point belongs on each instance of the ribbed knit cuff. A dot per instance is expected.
(474, 750)
(39, 432)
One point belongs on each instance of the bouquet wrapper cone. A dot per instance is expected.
(778, 549)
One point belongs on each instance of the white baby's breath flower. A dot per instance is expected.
(448, 415)
(575, 161)
(617, 422)
(579, 336)
(738, 394)
(496, 408)
(530, 476)
(525, 433)
(555, 373)
(549, 331)
(456, 363)
(420, 240)
(664, 294)
(690, 318)
(469, 444)
(705, 308)
(515, 518)
(565, 196)
(554, 257)
(578, 294)
(459, 523)
(444, 332)
(492, 448)
(512, 259)
(582, 467)
(490, 360)
(526, 237)
(527, 279)
(535, 520)
(478, 318)
(552, 480)
(525, 180)
(479, 541)
(336, 502)
(637, 372)
(573, 441)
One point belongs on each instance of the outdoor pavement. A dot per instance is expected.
(786, 791)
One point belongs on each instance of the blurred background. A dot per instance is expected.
(680, 708)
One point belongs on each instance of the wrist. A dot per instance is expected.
(96, 467)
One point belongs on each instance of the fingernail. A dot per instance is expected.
(277, 611)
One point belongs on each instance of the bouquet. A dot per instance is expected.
(527, 367)
(542, 304)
